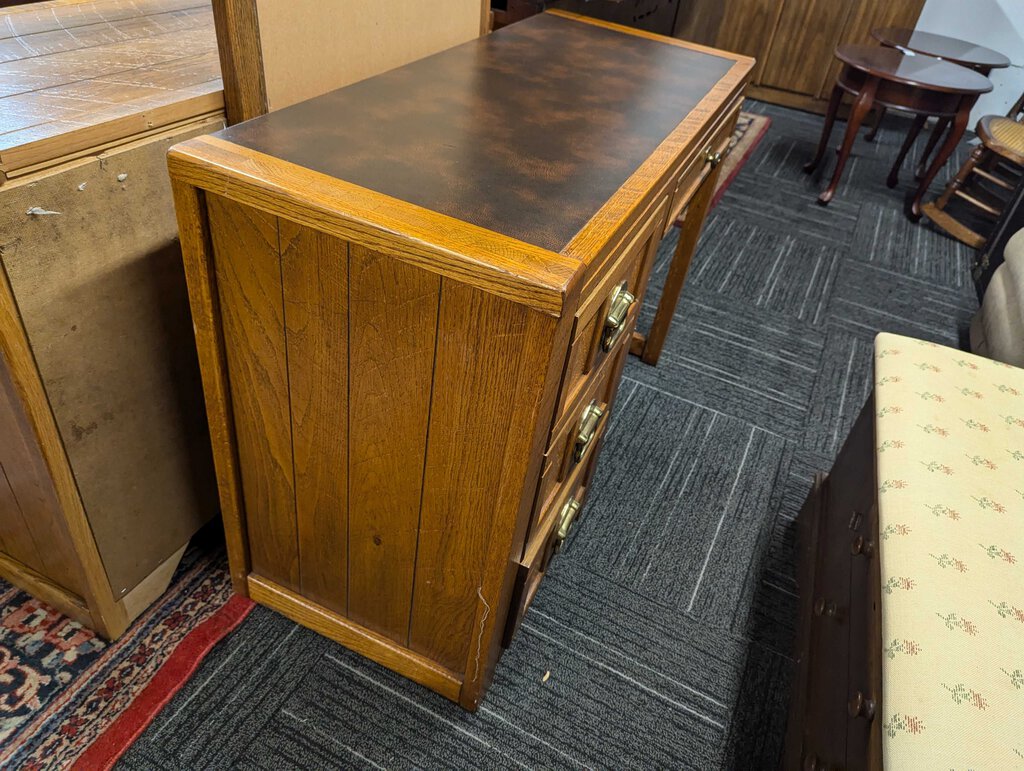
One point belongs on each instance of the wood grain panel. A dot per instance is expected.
(480, 338)
(32, 521)
(806, 36)
(204, 301)
(15, 540)
(364, 642)
(743, 26)
(542, 358)
(393, 319)
(241, 59)
(315, 278)
(245, 243)
(866, 16)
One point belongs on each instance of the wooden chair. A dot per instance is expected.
(994, 166)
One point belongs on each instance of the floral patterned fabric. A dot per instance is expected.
(949, 430)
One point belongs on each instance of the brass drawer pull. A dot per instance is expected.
(712, 157)
(565, 521)
(861, 706)
(587, 429)
(823, 607)
(621, 301)
(861, 545)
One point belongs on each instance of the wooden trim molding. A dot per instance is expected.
(512, 269)
(241, 59)
(373, 646)
(197, 253)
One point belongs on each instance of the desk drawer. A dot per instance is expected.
(701, 166)
(605, 315)
(565, 510)
(862, 698)
(575, 439)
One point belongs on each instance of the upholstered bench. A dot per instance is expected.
(911, 642)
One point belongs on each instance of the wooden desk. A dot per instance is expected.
(922, 85)
(413, 298)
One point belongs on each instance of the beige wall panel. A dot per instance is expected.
(311, 47)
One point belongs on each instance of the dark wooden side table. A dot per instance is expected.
(966, 54)
(921, 85)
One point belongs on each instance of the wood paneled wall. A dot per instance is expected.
(792, 40)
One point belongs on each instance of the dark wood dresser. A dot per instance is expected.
(413, 298)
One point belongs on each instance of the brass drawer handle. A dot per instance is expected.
(861, 706)
(587, 429)
(712, 157)
(621, 301)
(565, 521)
(860, 545)
(823, 607)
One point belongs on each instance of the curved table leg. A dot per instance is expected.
(861, 107)
(879, 117)
(826, 130)
(956, 131)
(941, 124)
(915, 128)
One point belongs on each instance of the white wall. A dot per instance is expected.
(997, 24)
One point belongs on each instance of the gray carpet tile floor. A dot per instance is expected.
(667, 624)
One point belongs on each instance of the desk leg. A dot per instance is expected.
(915, 128)
(861, 107)
(956, 132)
(649, 348)
(941, 124)
(826, 130)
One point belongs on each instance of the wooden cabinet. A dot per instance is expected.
(836, 687)
(105, 467)
(792, 40)
(413, 299)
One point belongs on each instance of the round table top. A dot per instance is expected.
(949, 48)
(913, 69)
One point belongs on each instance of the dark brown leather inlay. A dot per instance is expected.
(527, 131)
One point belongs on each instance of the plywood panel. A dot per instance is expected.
(393, 310)
(101, 293)
(480, 342)
(245, 244)
(311, 47)
(315, 277)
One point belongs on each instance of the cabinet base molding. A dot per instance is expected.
(356, 638)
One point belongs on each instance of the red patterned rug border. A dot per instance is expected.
(109, 746)
(723, 184)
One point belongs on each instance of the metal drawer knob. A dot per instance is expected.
(823, 607)
(618, 309)
(812, 763)
(587, 430)
(860, 545)
(565, 520)
(861, 706)
(712, 157)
